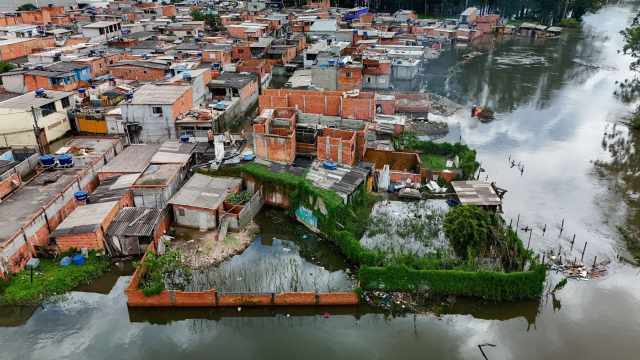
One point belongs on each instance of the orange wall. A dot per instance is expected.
(24, 48)
(183, 104)
(137, 73)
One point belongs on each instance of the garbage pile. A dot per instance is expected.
(390, 301)
(579, 271)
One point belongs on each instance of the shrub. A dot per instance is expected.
(162, 271)
(570, 23)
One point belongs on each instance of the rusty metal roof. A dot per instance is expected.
(135, 221)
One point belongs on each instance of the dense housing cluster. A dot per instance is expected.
(308, 109)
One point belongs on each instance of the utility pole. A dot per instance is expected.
(36, 129)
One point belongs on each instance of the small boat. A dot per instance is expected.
(483, 114)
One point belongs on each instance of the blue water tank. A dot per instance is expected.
(184, 139)
(329, 165)
(40, 92)
(82, 90)
(248, 157)
(47, 160)
(65, 160)
(81, 195)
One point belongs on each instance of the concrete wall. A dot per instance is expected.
(324, 77)
(196, 218)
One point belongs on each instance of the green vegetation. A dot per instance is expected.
(437, 153)
(345, 224)
(433, 162)
(50, 279)
(210, 19)
(570, 23)
(474, 232)
(164, 271)
(629, 90)
(6, 66)
(497, 286)
(239, 198)
(27, 7)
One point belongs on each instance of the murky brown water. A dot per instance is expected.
(552, 114)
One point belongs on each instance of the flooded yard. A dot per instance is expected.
(283, 256)
(402, 228)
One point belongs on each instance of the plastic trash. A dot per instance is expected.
(78, 259)
(66, 261)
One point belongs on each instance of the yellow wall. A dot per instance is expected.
(92, 126)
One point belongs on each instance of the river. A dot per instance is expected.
(554, 102)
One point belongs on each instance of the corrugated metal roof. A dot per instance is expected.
(135, 221)
(204, 191)
(476, 193)
(158, 94)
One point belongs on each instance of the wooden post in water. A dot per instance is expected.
(572, 241)
(529, 242)
(583, 250)
(594, 262)
(517, 222)
(562, 226)
(510, 222)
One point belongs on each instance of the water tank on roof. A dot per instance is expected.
(329, 165)
(184, 139)
(47, 160)
(40, 92)
(82, 90)
(186, 76)
(81, 196)
(65, 160)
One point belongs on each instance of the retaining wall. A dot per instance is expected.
(212, 298)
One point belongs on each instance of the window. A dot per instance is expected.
(65, 103)
(349, 75)
(101, 31)
(48, 109)
(157, 110)
(180, 212)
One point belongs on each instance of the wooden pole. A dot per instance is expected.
(583, 250)
(517, 222)
(529, 242)
(572, 241)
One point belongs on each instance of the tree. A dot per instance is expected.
(630, 88)
(211, 20)
(468, 229)
(27, 7)
(6, 66)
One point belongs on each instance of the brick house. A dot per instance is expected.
(86, 227)
(337, 145)
(11, 49)
(357, 105)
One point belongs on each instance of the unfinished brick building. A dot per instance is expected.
(275, 136)
(358, 105)
(337, 145)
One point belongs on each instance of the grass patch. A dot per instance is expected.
(50, 279)
(433, 162)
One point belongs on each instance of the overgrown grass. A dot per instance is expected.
(433, 162)
(50, 279)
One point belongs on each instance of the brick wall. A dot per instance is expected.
(332, 103)
(137, 73)
(9, 184)
(24, 48)
(337, 145)
(183, 104)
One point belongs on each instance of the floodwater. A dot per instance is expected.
(552, 112)
(284, 256)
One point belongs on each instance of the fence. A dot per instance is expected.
(212, 298)
(251, 209)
